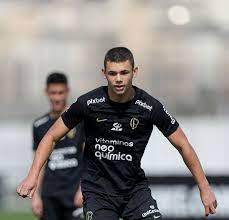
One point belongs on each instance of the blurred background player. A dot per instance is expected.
(58, 192)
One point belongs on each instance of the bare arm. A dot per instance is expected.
(78, 198)
(181, 143)
(45, 147)
(36, 202)
(39, 182)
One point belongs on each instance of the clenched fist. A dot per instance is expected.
(27, 187)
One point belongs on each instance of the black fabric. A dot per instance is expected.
(59, 208)
(139, 205)
(116, 137)
(63, 168)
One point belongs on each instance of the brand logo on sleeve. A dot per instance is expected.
(171, 117)
(96, 101)
(143, 104)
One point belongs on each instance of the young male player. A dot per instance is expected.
(118, 121)
(58, 194)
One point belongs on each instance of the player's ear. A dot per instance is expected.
(103, 71)
(135, 72)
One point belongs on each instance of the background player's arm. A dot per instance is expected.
(78, 198)
(57, 131)
(39, 182)
(36, 203)
(181, 143)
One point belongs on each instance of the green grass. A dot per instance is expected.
(16, 216)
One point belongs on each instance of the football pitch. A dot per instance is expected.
(16, 216)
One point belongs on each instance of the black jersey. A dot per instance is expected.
(63, 168)
(116, 137)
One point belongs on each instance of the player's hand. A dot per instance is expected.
(209, 200)
(78, 199)
(27, 187)
(37, 205)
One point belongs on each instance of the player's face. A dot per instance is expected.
(119, 76)
(57, 94)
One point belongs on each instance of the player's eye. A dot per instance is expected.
(52, 93)
(112, 73)
(124, 72)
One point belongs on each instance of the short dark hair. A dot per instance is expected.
(119, 54)
(56, 77)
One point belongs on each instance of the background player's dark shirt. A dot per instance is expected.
(116, 137)
(63, 168)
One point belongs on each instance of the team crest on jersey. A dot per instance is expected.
(134, 123)
(71, 134)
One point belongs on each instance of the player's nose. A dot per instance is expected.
(118, 78)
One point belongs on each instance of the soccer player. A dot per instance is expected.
(58, 193)
(118, 120)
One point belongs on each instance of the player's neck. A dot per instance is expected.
(55, 114)
(128, 96)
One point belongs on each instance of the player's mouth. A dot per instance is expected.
(61, 102)
(119, 88)
(58, 104)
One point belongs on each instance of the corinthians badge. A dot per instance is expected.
(134, 123)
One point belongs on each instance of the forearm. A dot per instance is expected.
(78, 188)
(78, 200)
(193, 163)
(42, 153)
(40, 181)
(179, 140)
(28, 186)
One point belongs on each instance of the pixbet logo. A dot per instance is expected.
(96, 101)
(143, 104)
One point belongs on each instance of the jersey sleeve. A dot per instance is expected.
(74, 115)
(35, 138)
(163, 120)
